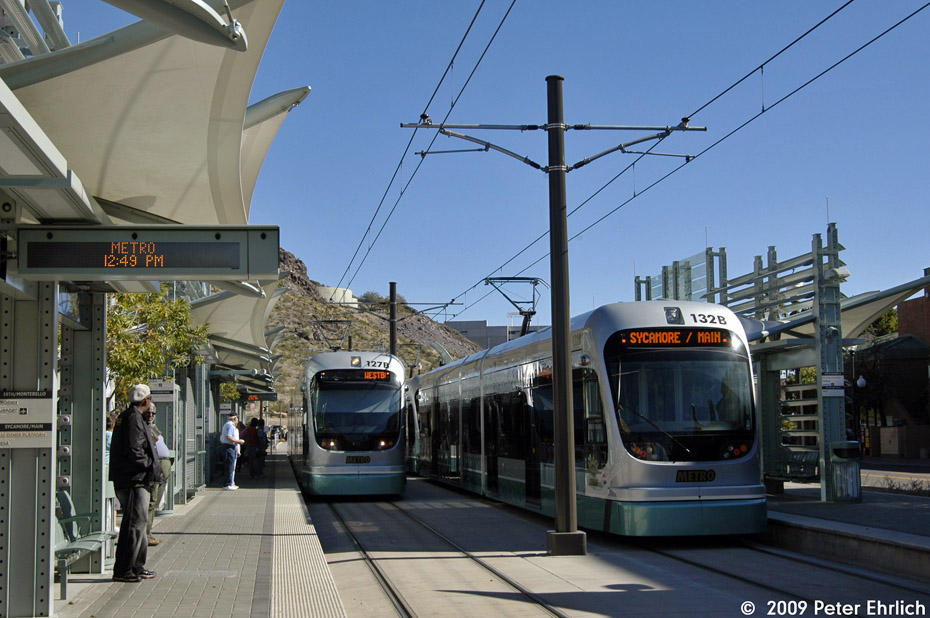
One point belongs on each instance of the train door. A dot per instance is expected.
(412, 432)
(305, 432)
(589, 414)
(491, 437)
(454, 433)
(435, 428)
(533, 472)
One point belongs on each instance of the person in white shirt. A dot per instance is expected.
(164, 460)
(229, 438)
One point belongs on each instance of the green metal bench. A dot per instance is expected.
(71, 543)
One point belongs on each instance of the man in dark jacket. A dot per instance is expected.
(134, 470)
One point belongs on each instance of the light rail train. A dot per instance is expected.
(346, 425)
(666, 439)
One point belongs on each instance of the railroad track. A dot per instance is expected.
(799, 599)
(427, 531)
(393, 590)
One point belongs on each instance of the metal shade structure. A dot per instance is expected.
(34, 175)
(237, 326)
(142, 126)
(193, 19)
(857, 313)
(262, 121)
(167, 138)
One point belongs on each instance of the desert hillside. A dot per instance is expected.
(313, 325)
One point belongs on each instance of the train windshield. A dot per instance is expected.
(355, 410)
(679, 402)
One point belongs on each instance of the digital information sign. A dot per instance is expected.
(676, 337)
(158, 252)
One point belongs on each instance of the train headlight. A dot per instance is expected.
(384, 444)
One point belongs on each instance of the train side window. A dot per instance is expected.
(471, 409)
(591, 437)
(513, 427)
(543, 406)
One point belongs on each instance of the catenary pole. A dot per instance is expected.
(566, 539)
(393, 319)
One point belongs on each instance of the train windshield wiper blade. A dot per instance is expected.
(621, 409)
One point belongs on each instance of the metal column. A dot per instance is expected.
(566, 539)
(82, 443)
(829, 346)
(28, 359)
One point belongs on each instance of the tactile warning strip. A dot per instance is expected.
(302, 585)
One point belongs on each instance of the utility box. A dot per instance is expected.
(844, 462)
(165, 395)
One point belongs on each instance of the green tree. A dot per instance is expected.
(372, 297)
(886, 324)
(148, 336)
(229, 391)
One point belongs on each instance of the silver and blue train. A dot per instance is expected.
(346, 425)
(666, 438)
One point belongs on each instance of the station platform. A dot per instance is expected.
(224, 554)
(256, 552)
(888, 529)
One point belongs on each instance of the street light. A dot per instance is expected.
(860, 384)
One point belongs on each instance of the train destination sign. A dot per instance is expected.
(378, 376)
(355, 375)
(676, 337)
(158, 252)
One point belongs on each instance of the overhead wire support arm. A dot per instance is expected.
(486, 145)
(664, 132)
(489, 145)
(497, 127)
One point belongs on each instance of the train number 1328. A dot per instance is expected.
(708, 318)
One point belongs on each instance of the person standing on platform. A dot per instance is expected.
(229, 438)
(250, 437)
(262, 439)
(134, 470)
(164, 460)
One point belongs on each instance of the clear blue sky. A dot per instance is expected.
(853, 143)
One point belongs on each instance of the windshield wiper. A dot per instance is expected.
(694, 417)
(621, 409)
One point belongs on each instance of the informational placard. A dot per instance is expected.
(162, 391)
(27, 419)
(158, 253)
(833, 385)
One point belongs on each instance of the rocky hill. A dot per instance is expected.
(313, 325)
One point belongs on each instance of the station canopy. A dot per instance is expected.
(145, 125)
(856, 314)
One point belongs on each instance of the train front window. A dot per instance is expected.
(682, 403)
(354, 414)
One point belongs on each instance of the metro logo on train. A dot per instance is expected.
(695, 476)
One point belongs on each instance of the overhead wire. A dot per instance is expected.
(400, 163)
(433, 140)
(708, 148)
(410, 141)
